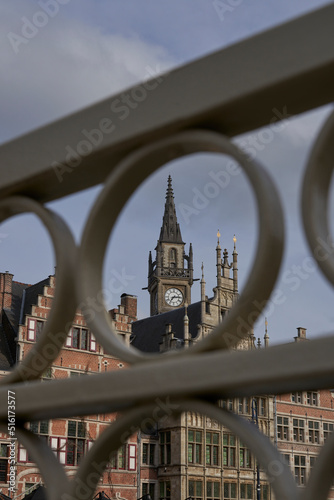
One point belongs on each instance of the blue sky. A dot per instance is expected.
(89, 50)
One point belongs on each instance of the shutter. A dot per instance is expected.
(54, 444)
(68, 342)
(31, 329)
(92, 343)
(132, 456)
(62, 450)
(23, 455)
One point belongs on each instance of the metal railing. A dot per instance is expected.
(228, 97)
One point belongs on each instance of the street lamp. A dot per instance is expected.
(256, 422)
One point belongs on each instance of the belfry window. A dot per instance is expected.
(172, 257)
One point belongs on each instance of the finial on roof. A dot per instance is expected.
(218, 236)
(235, 242)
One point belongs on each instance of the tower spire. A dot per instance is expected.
(170, 229)
(266, 336)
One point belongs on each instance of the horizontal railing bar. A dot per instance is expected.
(273, 370)
(283, 71)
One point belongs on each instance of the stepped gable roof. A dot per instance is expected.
(32, 293)
(148, 332)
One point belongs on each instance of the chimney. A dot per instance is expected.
(6, 282)
(301, 334)
(130, 305)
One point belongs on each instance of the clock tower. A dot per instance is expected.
(170, 275)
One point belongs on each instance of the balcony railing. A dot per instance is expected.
(290, 67)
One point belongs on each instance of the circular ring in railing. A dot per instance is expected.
(53, 473)
(122, 183)
(64, 303)
(315, 199)
(146, 417)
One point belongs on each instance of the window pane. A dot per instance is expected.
(81, 429)
(84, 337)
(71, 428)
(44, 427)
(34, 427)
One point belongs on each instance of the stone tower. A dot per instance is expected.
(170, 275)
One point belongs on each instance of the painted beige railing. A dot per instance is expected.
(232, 91)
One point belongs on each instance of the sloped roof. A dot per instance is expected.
(148, 332)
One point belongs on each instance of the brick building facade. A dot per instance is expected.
(24, 309)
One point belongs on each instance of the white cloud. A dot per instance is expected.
(66, 67)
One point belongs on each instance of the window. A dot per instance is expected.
(80, 338)
(262, 407)
(297, 397)
(246, 490)
(264, 492)
(165, 490)
(212, 448)
(212, 490)
(328, 428)
(41, 429)
(313, 431)
(165, 448)
(194, 447)
(300, 469)
(3, 462)
(172, 257)
(118, 459)
(148, 454)
(125, 458)
(227, 404)
(245, 457)
(230, 491)
(35, 327)
(283, 428)
(76, 433)
(312, 398)
(58, 446)
(298, 430)
(312, 461)
(243, 406)
(287, 458)
(195, 489)
(229, 450)
(148, 489)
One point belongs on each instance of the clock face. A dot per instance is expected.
(173, 297)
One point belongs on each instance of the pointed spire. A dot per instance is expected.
(235, 266)
(170, 230)
(266, 336)
(202, 267)
(218, 236)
